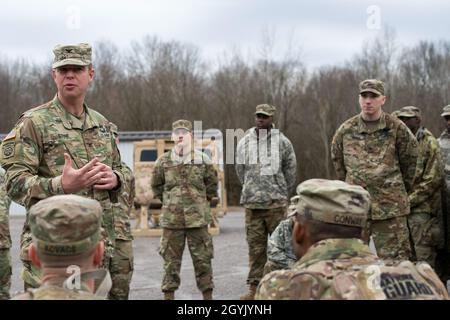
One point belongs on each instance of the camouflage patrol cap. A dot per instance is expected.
(74, 54)
(372, 85)
(182, 124)
(409, 112)
(65, 225)
(266, 109)
(333, 201)
(445, 111)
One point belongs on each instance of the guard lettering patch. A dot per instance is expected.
(8, 149)
(403, 286)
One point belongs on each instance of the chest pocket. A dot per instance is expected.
(196, 174)
(54, 150)
(98, 143)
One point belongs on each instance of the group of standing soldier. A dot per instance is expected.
(391, 195)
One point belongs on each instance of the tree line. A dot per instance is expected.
(156, 82)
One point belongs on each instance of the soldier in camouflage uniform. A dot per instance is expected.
(63, 146)
(67, 247)
(280, 253)
(185, 181)
(425, 200)
(266, 167)
(443, 256)
(335, 263)
(122, 263)
(5, 240)
(378, 152)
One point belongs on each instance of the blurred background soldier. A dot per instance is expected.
(63, 147)
(443, 257)
(185, 181)
(335, 263)
(377, 151)
(67, 246)
(425, 198)
(5, 240)
(122, 262)
(266, 167)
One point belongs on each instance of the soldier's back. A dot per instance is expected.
(329, 273)
(50, 292)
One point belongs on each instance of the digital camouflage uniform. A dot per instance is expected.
(185, 185)
(425, 199)
(66, 227)
(443, 257)
(122, 262)
(383, 161)
(33, 156)
(338, 268)
(266, 167)
(5, 241)
(280, 253)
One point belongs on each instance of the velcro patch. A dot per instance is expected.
(8, 149)
(11, 135)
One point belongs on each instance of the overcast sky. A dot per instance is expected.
(327, 31)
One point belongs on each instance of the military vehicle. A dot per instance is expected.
(148, 209)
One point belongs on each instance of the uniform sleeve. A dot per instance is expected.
(337, 155)
(158, 181)
(289, 166)
(431, 177)
(407, 151)
(21, 156)
(117, 167)
(277, 247)
(240, 161)
(211, 181)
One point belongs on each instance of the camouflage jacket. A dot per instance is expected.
(185, 187)
(382, 161)
(50, 292)
(266, 167)
(122, 208)
(444, 143)
(346, 269)
(5, 236)
(33, 156)
(279, 247)
(425, 197)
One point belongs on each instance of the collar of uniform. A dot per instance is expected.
(420, 134)
(444, 135)
(331, 249)
(362, 127)
(65, 116)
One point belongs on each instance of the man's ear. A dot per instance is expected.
(91, 73)
(33, 255)
(98, 254)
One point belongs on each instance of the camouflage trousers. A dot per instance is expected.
(425, 236)
(5, 273)
(259, 224)
(391, 238)
(201, 248)
(121, 269)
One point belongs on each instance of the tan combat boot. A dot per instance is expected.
(169, 295)
(207, 294)
(251, 293)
